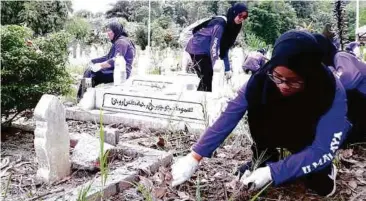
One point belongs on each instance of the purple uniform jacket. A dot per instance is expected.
(254, 61)
(330, 133)
(122, 46)
(207, 41)
(351, 71)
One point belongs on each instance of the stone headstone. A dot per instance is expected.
(51, 141)
(178, 106)
(78, 51)
(237, 60)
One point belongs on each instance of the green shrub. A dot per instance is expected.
(26, 73)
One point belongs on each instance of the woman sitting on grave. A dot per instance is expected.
(211, 41)
(293, 102)
(101, 70)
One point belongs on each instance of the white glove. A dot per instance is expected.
(219, 65)
(183, 169)
(228, 75)
(96, 67)
(258, 178)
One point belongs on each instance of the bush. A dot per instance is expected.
(26, 73)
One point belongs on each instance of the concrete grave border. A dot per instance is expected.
(121, 178)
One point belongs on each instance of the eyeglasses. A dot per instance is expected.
(278, 80)
(243, 16)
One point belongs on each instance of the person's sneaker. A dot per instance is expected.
(246, 166)
(333, 176)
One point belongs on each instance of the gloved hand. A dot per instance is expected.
(96, 67)
(228, 75)
(219, 65)
(183, 169)
(258, 178)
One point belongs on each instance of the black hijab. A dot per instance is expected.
(328, 48)
(290, 120)
(118, 30)
(300, 52)
(231, 29)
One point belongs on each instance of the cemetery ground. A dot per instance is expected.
(214, 180)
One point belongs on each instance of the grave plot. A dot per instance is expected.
(60, 166)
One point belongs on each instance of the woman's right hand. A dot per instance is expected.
(184, 168)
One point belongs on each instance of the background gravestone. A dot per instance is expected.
(51, 140)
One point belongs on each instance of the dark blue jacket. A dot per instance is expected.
(322, 123)
(207, 41)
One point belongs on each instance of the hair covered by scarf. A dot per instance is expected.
(117, 29)
(300, 52)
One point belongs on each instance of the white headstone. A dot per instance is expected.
(143, 62)
(78, 51)
(237, 60)
(51, 141)
(186, 60)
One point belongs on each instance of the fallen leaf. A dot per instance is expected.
(147, 183)
(233, 184)
(161, 142)
(159, 192)
(159, 178)
(347, 153)
(352, 184)
(359, 172)
(183, 195)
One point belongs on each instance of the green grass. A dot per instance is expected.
(75, 69)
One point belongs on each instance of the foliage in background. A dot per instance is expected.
(269, 19)
(41, 16)
(79, 28)
(27, 74)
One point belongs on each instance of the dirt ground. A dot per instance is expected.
(214, 180)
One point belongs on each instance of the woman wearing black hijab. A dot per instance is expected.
(211, 42)
(293, 102)
(103, 67)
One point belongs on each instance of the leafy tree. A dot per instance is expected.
(27, 73)
(141, 37)
(79, 28)
(362, 16)
(41, 16)
(303, 8)
(83, 14)
(10, 12)
(268, 20)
